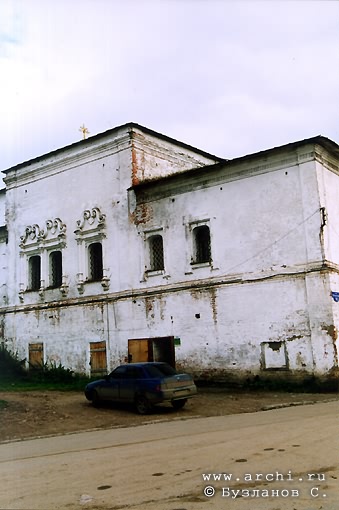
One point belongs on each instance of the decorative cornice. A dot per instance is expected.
(32, 233)
(55, 231)
(71, 157)
(232, 170)
(326, 159)
(188, 285)
(92, 221)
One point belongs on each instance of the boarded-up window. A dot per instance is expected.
(55, 266)
(34, 272)
(156, 253)
(95, 262)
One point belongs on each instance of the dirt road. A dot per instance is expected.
(160, 466)
(34, 414)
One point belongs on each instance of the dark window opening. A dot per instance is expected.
(55, 269)
(95, 262)
(202, 244)
(34, 272)
(156, 253)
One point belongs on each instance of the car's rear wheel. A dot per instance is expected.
(95, 398)
(179, 404)
(142, 404)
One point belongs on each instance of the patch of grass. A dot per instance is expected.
(28, 385)
(49, 376)
(10, 363)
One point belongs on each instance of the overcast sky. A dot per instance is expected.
(228, 77)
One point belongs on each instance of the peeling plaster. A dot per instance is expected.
(142, 214)
(332, 332)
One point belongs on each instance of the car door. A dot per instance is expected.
(110, 389)
(130, 384)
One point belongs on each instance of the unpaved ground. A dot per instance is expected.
(37, 414)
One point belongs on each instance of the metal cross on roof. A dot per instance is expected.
(84, 131)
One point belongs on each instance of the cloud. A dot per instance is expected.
(228, 77)
(9, 28)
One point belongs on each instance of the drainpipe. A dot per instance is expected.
(108, 350)
(323, 223)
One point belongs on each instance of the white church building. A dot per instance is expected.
(133, 246)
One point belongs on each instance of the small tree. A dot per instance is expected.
(10, 363)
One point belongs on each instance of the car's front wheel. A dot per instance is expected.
(142, 404)
(179, 404)
(95, 398)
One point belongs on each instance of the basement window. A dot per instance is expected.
(34, 272)
(202, 245)
(95, 262)
(156, 253)
(55, 267)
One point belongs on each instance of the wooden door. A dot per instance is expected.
(152, 349)
(139, 350)
(98, 358)
(36, 355)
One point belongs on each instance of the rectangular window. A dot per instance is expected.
(95, 262)
(55, 266)
(156, 253)
(34, 272)
(202, 244)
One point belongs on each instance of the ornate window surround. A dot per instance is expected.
(91, 228)
(41, 241)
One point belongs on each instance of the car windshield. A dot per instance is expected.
(160, 370)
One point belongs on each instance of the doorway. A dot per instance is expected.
(152, 349)
(98, 360)
(36, 355)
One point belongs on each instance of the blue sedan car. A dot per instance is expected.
(144, 385)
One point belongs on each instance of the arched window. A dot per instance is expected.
(34, 272)
(156, 253)
(95, 262)
(202, 244)
(55, 269)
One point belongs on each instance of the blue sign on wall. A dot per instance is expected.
(335, 296)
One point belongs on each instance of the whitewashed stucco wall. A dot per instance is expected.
(268, 222)
(265, 226)
(263, 290)
(2, 206)
(221, 330)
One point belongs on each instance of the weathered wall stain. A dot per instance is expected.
(332, 332)
(134, 176)
(204, 296)
(294, 337)
(142, 214)
(149, 307)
